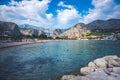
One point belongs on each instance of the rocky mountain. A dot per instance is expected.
(31, 32)
(76, 32)
(9, 28)
(48, 31)
(110, 25)
(57, 32)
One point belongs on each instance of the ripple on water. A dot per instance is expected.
(49, 61)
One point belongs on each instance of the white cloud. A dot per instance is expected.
(49, 16)
(68, 16)
(61, 3)
(32, 12)
(103, 9)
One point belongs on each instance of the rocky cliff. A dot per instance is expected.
(110, 25)
(9, 28)
(47, 31)
(31, 32)
(78, 31)
(57, 32)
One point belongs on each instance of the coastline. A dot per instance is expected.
(13, 44)
(105, 68)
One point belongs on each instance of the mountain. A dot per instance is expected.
(78, 31)
(31, 32)
(9, 28)
(110, 25)
(27, 26)
(57, 32)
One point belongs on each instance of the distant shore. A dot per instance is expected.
(12, 44)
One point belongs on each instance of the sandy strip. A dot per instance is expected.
(12, 44)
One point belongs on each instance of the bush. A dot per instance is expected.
(42, 36)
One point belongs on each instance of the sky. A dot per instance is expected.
(58, 13)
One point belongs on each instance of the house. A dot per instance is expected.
(5, 38)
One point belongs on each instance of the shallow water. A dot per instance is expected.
(49, 61)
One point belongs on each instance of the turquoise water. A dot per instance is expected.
(49, 61)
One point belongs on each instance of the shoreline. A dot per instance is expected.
(105, 68)
(13, 44)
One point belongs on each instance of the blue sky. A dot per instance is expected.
(58, 13)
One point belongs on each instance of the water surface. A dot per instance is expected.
(49, 61)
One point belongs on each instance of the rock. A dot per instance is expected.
(99, 74)
(57, 32)
(110, 57)
(99, 70)
(86, 70)
(112, 63)
(116, 70)
(67, 77)
(92, 64)
(83, 78)
(118, 77)
(104, 25)
(76, 32)
(112, 60)
(76, 78)
(113, 74)
(9, 28)
(101, 63)
(107, 71)
(31, 32)
(111, 78)
(118, 60)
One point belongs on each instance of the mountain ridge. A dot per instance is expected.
(110, 25)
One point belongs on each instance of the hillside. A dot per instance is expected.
(111, 25)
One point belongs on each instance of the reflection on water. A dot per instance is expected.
(49, 61)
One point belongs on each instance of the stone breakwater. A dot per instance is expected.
(105, 68)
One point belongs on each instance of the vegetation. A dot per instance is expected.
(42, 36)
(17, 37)
(58, 38)
(99, 33)
(94, 35)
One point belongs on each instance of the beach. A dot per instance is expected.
(12, 44)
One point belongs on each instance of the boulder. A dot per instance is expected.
(99, 70)
(110, 57)
(108, 71)
(86, 70)
(92, 64)
(67, 77)
(111, 78)
(112, 60)
(99, 74)
(112, 63)
(116, 70)
(100, 63)
(83, 78)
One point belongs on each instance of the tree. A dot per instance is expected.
(42, 36)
